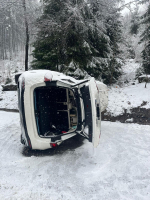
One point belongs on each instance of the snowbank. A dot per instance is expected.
(127, 98)
(128, 93)
(8, 100)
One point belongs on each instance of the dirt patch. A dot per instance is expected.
(9, 110)
(138, 115)
(9, 87)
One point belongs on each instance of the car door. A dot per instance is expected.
(91, 110)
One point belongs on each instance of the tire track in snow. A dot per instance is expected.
(9, 143)
(119, 168)
(9, 133)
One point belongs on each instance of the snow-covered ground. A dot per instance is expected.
(8, 100)
(128, 93)
(128, 97)
(8, 69)
(119, 169)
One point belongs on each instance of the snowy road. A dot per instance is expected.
(119, 169)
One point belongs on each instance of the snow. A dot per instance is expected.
(48, 76)
(8, 69)
(117, 169)
(128, 93)
(128, 98)
(129, 70)
(143, 76)
(9, 100)
(129, 120)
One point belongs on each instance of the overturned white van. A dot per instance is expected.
(54, 107)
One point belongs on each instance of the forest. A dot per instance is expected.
(105, 39)
(77, 37)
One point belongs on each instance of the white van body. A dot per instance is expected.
(54, 107)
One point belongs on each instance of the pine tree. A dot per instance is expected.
(107, 17)
(145, 37)
(135, 18)
(79, 38)
(114, 31)
(61, 37)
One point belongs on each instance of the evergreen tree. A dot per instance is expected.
(114, 31)
(61, 37)
(75, 35)
(108, 19)
(145, 37)
(135, 21)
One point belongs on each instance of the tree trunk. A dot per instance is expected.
(2, 49)
(10, 34)
(27, 36)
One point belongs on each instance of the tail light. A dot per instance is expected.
(64, 132)
(48, 77)
(53, 145)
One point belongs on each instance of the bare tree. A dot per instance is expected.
(27, 36)
(16, 22)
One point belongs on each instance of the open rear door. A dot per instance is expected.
(92, 114)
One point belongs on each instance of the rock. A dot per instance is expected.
(138, 115)
(144, 78)
(9, 87)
